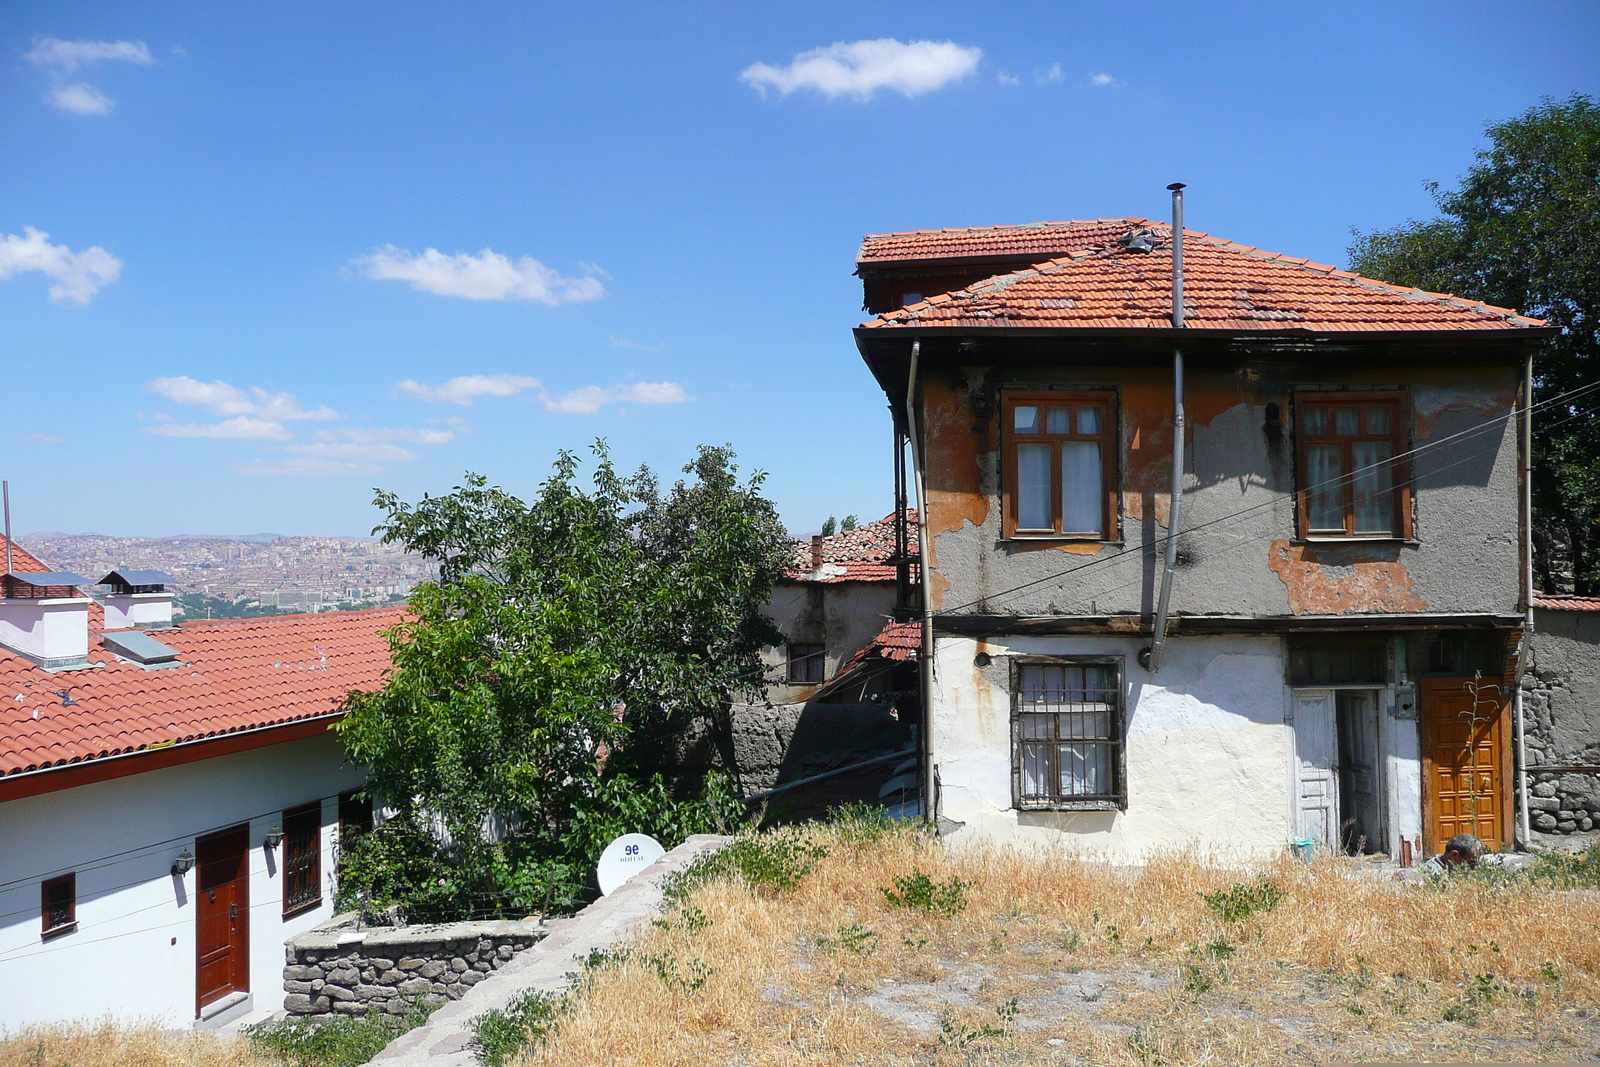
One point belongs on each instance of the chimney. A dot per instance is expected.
(816, 552)
(139, 600)
(44, 618)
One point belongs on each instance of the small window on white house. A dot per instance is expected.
(58, 906)
(807, 663)
(1067, 726)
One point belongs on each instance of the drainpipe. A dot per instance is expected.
(1152, 655)
(925, 667)
(1518, 709)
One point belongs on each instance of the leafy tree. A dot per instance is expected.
(1523, 231)
(830, 526)
(850, 522)
(562, 634)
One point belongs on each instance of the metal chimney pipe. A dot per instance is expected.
(1152, 655)
(6, 488)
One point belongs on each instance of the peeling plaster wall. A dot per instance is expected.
(1465, 558)
(1207, 748)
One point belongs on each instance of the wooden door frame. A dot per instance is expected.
(1426, 687)
(241, 951)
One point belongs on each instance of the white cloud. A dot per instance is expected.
(1101, 80)
(636, 346)
(81, 99)
(373, 435)
(591, 398)
(1052, 75)
(860, 68)
(70, 55)
(242, 428)
(1007, 79)
(78, 275)
(306, 465)
(485, 276)
(353, 451)
(223, 399)
(363, 453)
(465, 389)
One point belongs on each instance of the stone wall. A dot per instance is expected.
(1561, 708)
(338, 969)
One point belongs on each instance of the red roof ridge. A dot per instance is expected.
(1010, 227)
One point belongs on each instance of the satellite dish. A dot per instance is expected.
(626, 857)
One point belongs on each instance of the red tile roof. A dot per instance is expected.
(897, 642)
(1040, 240)
(1557, 602)
(235, 674)
(1227, 286)
(858, 555)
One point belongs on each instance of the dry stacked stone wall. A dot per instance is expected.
(337, 969)
(1561, 707)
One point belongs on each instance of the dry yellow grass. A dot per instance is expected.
(1105, 966)
(109, 1043)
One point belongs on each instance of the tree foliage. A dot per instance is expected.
(1523, 231)
(561, 631)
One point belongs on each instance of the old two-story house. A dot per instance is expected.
(171, 796)
(1325, 650)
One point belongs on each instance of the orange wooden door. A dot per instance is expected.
(222, 915)
(1464, 757)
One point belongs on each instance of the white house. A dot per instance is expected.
(171, 797)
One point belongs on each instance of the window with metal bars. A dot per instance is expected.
(58, 905)
(302, 859)
(1066, 729)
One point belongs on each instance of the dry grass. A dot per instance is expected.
(1057, 961)
(112, 1044)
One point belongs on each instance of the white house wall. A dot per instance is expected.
(133, 953)
(1207, 748)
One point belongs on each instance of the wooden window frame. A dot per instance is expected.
(810, 662)
(1110, 436)
(306, 864)
(1117, 799)
(1399, 438)
(47, 930)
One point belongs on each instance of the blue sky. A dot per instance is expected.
(643, 217)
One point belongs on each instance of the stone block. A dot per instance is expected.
(458, 965)
(369, 974)
(481, 966)
(1543, 804)
(472, 978)
(505, 952)
(338, 993)
(300, 1004)
(349, 1007)
(433, 1000)
(441, 989)
(301, 973)
(345, 976)
(380, 963)
(411, 963)
(373, 992)
(1567, 826)
(397, 1006)
(413, 986)
(1544, 821)
(392, 976)
(1586, 824)
(433, 968)
(297, 987)
(1545, 789)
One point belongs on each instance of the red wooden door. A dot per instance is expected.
(222, 915)
(1464, 757)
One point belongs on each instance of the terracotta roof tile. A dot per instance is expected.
(859, 555)
(1566, 603)
(1088, 281)
(235, 674)
(897, 642)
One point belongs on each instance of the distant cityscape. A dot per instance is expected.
(262, 574)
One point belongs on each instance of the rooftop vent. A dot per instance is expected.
(43, 617)
(138, 600)
(141, 648)
(1141, 239)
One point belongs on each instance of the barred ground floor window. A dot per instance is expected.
(1067, 726)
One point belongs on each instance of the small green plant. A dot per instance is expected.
(1548, 969)
(854, 939)
(689, 920)
(955, 1035)
(1220, 949)
(1070, 940)
(688, 979)
(1242, 900)
(921, 893)
(1142, 1044)
(763, 862)
(859, 824)
(914, 945)
(526, 1022)
(1195, 979)
(341, 1041)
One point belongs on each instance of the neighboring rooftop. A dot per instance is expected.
(1084, 278)
(228, 676)
(1562, 602)
(860, 555)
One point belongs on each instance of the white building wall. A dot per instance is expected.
(133, 953)
(1208, 748)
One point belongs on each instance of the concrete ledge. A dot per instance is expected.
(342, 931)
(447, 1038)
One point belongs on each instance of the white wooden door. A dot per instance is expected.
(1316, 744)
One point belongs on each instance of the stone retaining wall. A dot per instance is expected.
(337, 969)
(1561, 706)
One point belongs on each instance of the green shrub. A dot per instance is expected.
(1240, 901)
(775, 862)
(501, 1033)
(917, 891)
(860, 824)
(341, 1041)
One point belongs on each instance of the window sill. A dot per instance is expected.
(1066, 539)
(1075, 805)
(58, 931)
(301, 909)
(1358, 539)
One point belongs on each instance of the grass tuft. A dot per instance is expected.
(339, 1041)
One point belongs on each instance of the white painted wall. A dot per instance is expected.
(1207, 748)
(133, 954)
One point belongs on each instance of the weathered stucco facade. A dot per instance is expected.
(1561, 698)
(1348, 686)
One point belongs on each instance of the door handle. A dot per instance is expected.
(233, 911)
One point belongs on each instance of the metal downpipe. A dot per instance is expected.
(1152, 656)
(925, 665)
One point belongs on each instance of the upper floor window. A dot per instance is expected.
(1060, 465)
(807, 663)
(1348, 448)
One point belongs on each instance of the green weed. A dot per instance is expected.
(1240, 901)
(921, 893)
(855, 939)
(340, 1041)
(499, 1034)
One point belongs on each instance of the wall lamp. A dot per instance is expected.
(274, 837)
(184, 863)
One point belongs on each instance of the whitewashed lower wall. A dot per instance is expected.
(1207, 748)
(133, 953)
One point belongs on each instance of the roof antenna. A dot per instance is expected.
(7, 489)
